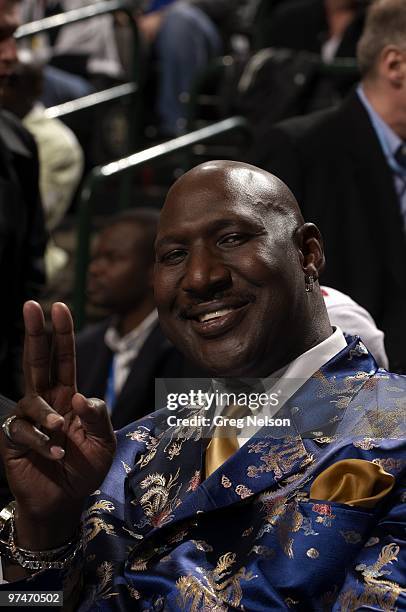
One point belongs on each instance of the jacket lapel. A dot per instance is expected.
(380, 200)
(93, 365)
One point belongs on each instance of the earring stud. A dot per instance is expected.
(309, 286)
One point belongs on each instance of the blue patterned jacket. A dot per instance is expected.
(250, 537)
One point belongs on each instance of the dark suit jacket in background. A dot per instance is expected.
(22, 242)
(158, 358)
(334, 164)
(302, 25)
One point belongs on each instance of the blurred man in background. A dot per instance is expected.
(119, 358)
(184, 37)
(328, 27)
(60, 154)
(22, 231)
(347, 166)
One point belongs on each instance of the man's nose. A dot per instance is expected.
(95, 267)
(205, 274)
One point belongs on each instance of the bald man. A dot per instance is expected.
(278, 486)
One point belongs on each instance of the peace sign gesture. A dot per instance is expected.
(60, 445)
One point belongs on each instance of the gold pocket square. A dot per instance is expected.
(355, 482)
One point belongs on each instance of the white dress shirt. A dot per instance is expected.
(126, 349)
(390, 143)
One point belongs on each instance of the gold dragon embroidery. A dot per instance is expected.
(285, 517)
(216, 589)
(133, 592)
(94, 524)
(280, 458)
(157, 503)
(179, 434)
(194, 482)
(151, 446)
(378, 593)
(105, 576)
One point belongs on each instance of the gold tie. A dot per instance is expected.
(220, 448)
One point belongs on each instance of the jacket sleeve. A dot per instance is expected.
(27, 172)
(23, 242)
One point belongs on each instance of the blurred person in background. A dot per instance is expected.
(347, 166)
(354, 320)
(330, 28)
(22, 228)
(90, 43)
(184, 36)
(288, 75)
(60, 154)
(120, 357)
(82, 55)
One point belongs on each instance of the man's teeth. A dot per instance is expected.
(214, 315)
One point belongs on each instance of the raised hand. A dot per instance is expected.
(61, 445)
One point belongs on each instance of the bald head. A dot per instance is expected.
(267, 194)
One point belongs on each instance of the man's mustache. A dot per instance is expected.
(221, 299)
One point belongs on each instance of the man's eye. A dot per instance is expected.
(173, 257)
(232, 240)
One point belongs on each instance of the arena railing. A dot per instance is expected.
(101, 174)
(131, 88)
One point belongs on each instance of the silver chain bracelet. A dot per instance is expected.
(56, 558)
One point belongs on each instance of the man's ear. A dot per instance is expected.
(311, 251)
(393, 65)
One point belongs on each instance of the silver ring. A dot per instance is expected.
(6, 427)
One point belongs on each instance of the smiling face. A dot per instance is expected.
(229, 282)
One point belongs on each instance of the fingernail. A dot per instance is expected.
(57, 452)
(54, 419)
(43, 436)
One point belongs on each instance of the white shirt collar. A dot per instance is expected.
(135, 338)
(390, 141)
(304, 366)
(298, 371)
